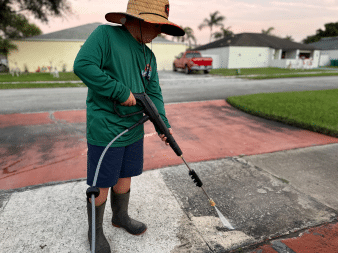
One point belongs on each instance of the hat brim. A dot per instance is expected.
(167, 27)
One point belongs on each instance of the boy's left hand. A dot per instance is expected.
(162, 136)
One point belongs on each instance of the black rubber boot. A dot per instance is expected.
(119, 206)
(101, 243)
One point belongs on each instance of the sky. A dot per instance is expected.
(296, 18)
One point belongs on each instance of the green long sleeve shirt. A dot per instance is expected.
(111, 63)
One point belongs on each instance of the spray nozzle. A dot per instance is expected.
(212, 203)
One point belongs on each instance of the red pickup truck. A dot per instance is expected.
(192, 60)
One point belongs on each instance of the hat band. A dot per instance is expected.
(153, 14)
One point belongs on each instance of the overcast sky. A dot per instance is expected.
(298, 18)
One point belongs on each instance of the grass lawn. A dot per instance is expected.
(264, 73)
(32, 77)
(312, 110)
(291, 75)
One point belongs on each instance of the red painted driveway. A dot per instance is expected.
(46, 147)
(323, 239)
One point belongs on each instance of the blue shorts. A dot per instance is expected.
(118, 162)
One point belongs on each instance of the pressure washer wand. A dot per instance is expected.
(199, 183)
(151, 111)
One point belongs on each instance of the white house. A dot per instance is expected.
(254, 50)
(329, 50)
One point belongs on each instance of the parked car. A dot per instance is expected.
(3, 68)
(192, 60)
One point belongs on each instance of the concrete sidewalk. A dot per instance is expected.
(276, 184)
(259, 205)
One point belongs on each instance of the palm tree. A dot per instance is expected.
(161, 35)
(289, 37)
(268, 32)
(223, 33)
(215, 20)
(178, 38)
(189, 35)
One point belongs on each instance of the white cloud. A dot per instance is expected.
(297, 18)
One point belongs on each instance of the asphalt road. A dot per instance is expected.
(176, 87)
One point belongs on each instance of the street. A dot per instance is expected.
(176, 87)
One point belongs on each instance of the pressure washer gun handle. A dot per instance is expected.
(150, 110)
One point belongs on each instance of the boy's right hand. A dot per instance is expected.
(131, 101)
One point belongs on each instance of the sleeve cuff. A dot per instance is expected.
(124, 97)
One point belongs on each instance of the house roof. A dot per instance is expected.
(77, 33)
(329, 43)
(80, 33)
(161, 40)
(256, 40)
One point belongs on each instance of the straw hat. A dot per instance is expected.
(152, 11)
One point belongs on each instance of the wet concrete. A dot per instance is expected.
(255, 202)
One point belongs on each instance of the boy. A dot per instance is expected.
(115, 63)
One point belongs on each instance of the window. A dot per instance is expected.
(192, 55)
(305, 55)
(179, 56)
(283, 54)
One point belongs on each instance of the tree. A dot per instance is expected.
(268, 32)
(14, 24)
(189, 36)
(161, 35)
(270, 29)
(178, 38)
(223, 33)
(215, 20)
(331, 30)
(289, 37)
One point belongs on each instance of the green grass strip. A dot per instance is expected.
(32, 77)
(312, 110)
(263, 71)
(40, 85)
(269, 73)
(289, 76)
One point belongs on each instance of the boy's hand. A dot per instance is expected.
(162, 136)
(131, 101)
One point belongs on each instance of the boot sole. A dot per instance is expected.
(117, 226)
